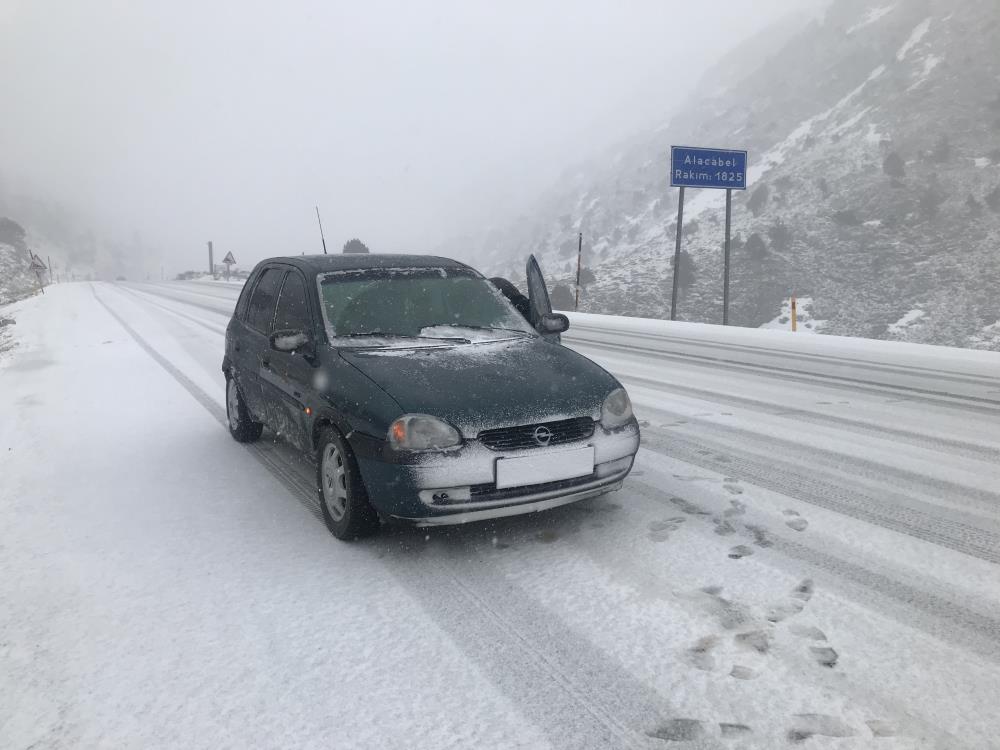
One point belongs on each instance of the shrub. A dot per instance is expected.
(756, 247)
(356, 246)
(758, 200)
(894, 166)
(780, 235)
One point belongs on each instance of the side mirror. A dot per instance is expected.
(553, 323)
(291, 341)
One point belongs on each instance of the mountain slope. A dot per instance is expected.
(874, 134)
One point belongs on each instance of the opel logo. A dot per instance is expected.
(542, 435)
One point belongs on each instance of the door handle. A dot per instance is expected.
(266, 364)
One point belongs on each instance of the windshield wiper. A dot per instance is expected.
(380, 335)
(478, 328)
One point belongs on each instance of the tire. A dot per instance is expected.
(347, 512)
(242, 426)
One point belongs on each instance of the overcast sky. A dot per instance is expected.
(406, 122)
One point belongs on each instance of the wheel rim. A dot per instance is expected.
(334, 478)
(233, 404)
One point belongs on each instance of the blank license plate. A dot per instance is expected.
(545, 467)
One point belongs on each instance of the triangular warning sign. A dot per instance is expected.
(229, 260)
(37, 265)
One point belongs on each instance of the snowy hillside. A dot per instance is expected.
(874, 134)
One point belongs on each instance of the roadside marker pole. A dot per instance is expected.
(579, 256)
(677, 256)
(725, 283)
(794, 316)
(211, 262)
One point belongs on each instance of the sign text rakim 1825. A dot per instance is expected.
(721, 169)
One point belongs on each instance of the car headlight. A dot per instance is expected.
(422, 432)
(617, 409)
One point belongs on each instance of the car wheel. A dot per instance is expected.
(342, 495)
(242, 426)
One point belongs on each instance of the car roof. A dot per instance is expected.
(315, 264)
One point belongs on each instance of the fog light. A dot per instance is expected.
(446, 496)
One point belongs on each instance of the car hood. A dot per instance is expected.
(486, 385)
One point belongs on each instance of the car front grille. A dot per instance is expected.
(484, 492)
(534, 435)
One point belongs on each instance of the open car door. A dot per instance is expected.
(538, 297)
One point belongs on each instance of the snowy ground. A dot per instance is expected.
(807, 552)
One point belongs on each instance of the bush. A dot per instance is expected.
(758, 200)
(688, 271)
(942, 150)
(690, 228)
(894, 166)
(562, 297)
(356, 246)
(974, 206)
(756, 247)
(587, 277)
(12, 233)
(993, 199)
(824, 187)
(780, 235)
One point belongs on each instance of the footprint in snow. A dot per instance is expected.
(798, 524)
(805, 726)
(824, 655)
(807, 631)
(733, 489)
(679, 730)
(737, 509)
(881, 728)
(731, 614)
(801, 594)
(660, 531)
(700, 654)
(740, 551)
(733, 730)
(757, 640)
(690, 508)
(723, 528)
(743, 673)
(759, 536)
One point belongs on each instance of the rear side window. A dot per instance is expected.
(293, 311)
(265, 295)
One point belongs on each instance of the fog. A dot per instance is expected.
(179, 122)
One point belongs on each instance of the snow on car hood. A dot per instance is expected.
(496, 384)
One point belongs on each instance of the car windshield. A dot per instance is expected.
(380, 306)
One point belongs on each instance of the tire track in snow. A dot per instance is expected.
(809, 457)
(840, 382)
(917, 439)
(784, 354)
(570, 689)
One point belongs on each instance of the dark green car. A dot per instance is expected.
(423, 394)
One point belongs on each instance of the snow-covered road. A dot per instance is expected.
(807, 551)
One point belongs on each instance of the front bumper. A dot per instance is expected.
(459, 486)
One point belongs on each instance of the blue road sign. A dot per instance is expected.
(721, 169)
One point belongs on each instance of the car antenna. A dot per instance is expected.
(320, 221)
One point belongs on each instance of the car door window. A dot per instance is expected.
(262, 303)
(293, 310)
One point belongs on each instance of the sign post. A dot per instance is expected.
(228, 261)
(715, 169)
(579, 258)
(211, 261)
(39, 268)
